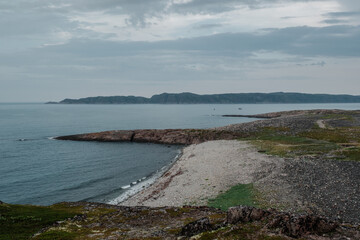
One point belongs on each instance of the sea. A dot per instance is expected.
(36, 169)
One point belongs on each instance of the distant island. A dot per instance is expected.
(226, 98)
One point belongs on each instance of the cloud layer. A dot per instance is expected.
(58, 49)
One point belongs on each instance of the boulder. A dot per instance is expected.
(196, 227)
(245, 214)
(288, 224)
(297, 226)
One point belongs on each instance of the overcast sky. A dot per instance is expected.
(51, 50)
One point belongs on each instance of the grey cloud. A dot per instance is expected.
(215, 6)
(320, 64)
(288, 17)
(344, 14)
(137, 10)
(29, 23)
(334, 21)
(350, 4)
(209, 25)
(337, 40)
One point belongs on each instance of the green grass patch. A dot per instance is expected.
(341, 143)
(245, 231)
(269, 132)
(349, 154)
(56, 235)
(339, 116)
(23, 221)
(294, 146)
(242, 194)
(338, 135)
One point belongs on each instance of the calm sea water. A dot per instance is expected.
(34, 169)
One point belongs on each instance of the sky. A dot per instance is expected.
(51, 50)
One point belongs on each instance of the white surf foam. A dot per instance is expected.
(142, 183)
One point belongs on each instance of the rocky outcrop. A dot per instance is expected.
(107, 136)
(246, 116)
(196, 227)
(164, 136)
(245, 214)
(285, 223)
(295, 113)
(295, 121)
(292, 121)
(103, 221)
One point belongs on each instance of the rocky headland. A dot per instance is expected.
(304, 164)
(292, 121)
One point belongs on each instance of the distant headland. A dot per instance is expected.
(226, 98)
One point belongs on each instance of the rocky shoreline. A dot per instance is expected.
(313, 175)
(308, 183)
(295, 121)
(161, 136)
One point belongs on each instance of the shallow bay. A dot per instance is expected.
(34, 169)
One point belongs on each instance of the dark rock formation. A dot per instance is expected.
(297, 226)
(108, 136)
(286, 223)
(245, 214)
(196, 227)
(292, 121)
(246, 116)
(103, 221)
(164, 136)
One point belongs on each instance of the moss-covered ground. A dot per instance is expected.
(242, 194)
(342, 143)
(247, 231)
(23, 221)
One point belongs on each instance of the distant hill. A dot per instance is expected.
(107, 100)
(191, 98)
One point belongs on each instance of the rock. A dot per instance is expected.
(196, 227)
(108, 136)
(258, 214)
(80, 217)
(245, 214)
(288, 224)
(1, 202)
(297, 226)
(164, 136)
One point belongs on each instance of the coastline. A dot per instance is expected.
(206, 170)
(327, 188)
(145, 182)
(302, 169)
(295, 161)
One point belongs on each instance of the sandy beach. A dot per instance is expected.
(326, 187)
(205, 170)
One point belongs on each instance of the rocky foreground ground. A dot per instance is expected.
(84, 220)
(315, 189)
